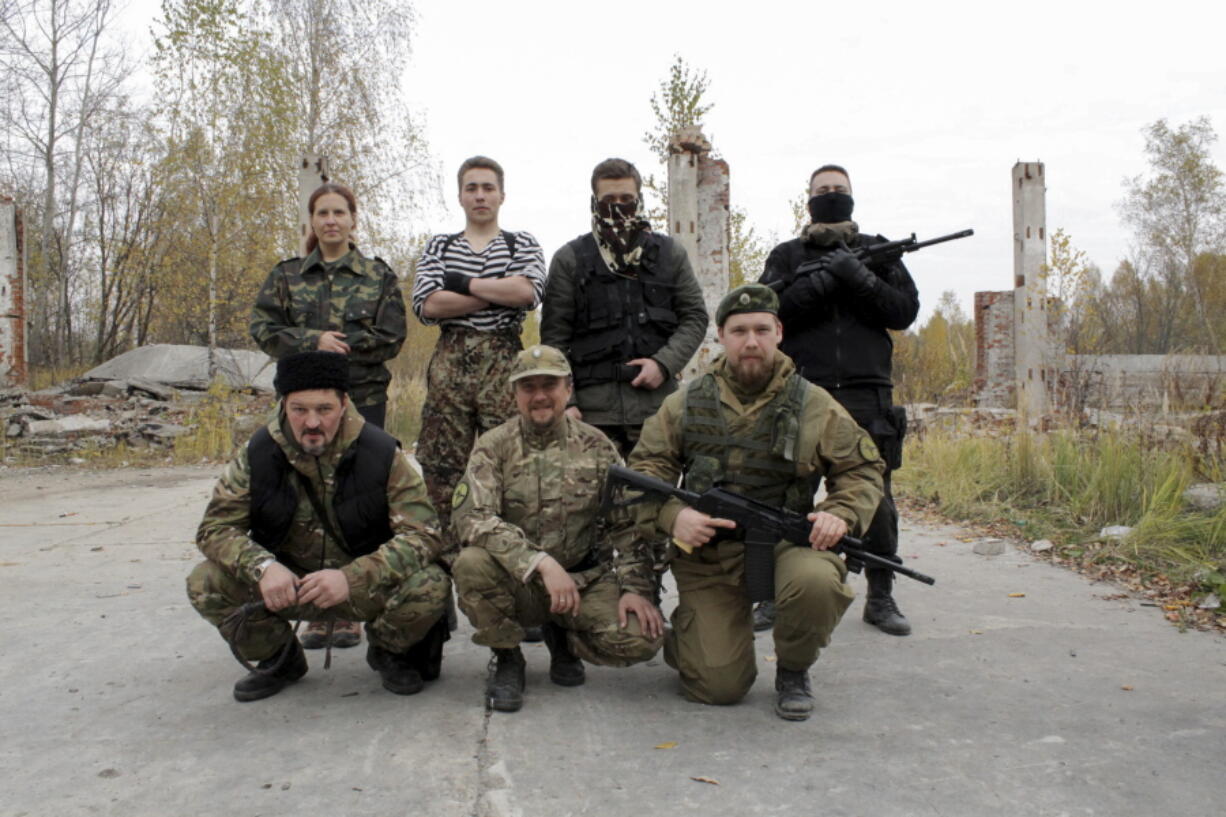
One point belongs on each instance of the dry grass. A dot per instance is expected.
(1068, 484)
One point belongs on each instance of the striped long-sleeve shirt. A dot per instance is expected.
(495, 261)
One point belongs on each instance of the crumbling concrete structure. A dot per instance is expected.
(1019, 366)
(13, 354)
(698, 194)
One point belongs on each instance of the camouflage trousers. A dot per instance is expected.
(499, 605)
(397, 616)
(712, 642)
(467, 394)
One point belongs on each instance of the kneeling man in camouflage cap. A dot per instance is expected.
(536, 550)
(321, 516)
(752, 425)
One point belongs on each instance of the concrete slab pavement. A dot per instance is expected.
(115, 698)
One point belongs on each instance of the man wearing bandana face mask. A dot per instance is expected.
(622, 302)
(836, 311)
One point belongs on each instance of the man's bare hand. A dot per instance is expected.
(574, 412)
(331, 341)
(323, 588)
(563, 592)
(648, 614)
(278, 587)
(694, 528)
(828, 529)
(650, 375)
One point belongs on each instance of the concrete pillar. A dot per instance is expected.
(13, 355)
(312, 172)
(698, 195)
(1030, 334)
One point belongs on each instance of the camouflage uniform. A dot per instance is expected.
(712, 641)
(356, 295)
(527, 494)
(399, 590)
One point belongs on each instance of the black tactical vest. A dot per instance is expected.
(360, 501)
(619, 317)
(760, 464)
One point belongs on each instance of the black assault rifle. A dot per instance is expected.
(763, 526)
(885, 251)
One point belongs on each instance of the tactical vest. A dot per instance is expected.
(360, 500)
(760, 464)
(619, 317)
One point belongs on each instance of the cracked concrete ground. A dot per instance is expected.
(115, 698)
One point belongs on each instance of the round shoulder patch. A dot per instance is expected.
(459, 494)
(868, 449)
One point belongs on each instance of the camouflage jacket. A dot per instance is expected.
(620, 403)
(527, 494)
(223, 535)
(360, 297)
(830, 444)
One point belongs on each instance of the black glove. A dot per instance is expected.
(850, 271)
(823, 282)
(457, 282)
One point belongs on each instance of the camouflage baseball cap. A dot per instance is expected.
(539, 360)
(747, 298)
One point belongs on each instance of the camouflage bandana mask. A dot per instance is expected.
(828, 235)
(618, 230)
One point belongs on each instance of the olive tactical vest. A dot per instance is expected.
(761, 464)
(360, 501)
(619, 317)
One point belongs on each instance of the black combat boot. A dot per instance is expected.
(565, 668)
(266, 683)
(426, 656)
(794, 699)
(505, 689)
(880, 609)
(396, 669)
(763, 616)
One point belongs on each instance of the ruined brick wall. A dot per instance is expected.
(13, 368)
(994, 370)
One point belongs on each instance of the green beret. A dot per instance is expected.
(747, 298)
(539, 360)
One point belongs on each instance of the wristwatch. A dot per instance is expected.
(261, 567)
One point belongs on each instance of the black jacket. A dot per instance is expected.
(837, 340)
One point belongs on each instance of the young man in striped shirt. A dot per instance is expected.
(476, 285)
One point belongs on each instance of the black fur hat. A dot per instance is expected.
(312, 370)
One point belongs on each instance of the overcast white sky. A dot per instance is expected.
(928, 105)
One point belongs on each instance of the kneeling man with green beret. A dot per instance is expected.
(752, 425)
(536, 550)
(321, 516)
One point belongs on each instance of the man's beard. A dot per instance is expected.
(752, 373)
(314, 449)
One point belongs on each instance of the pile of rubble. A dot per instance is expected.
(94, 415)
(144, 398)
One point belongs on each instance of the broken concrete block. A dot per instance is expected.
(1114, 533)
(1040, 545)
(162, 432)
(155, 390)
(1205, 496)
(71, 424)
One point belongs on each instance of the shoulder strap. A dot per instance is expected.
(509, 238)
(447, 242)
